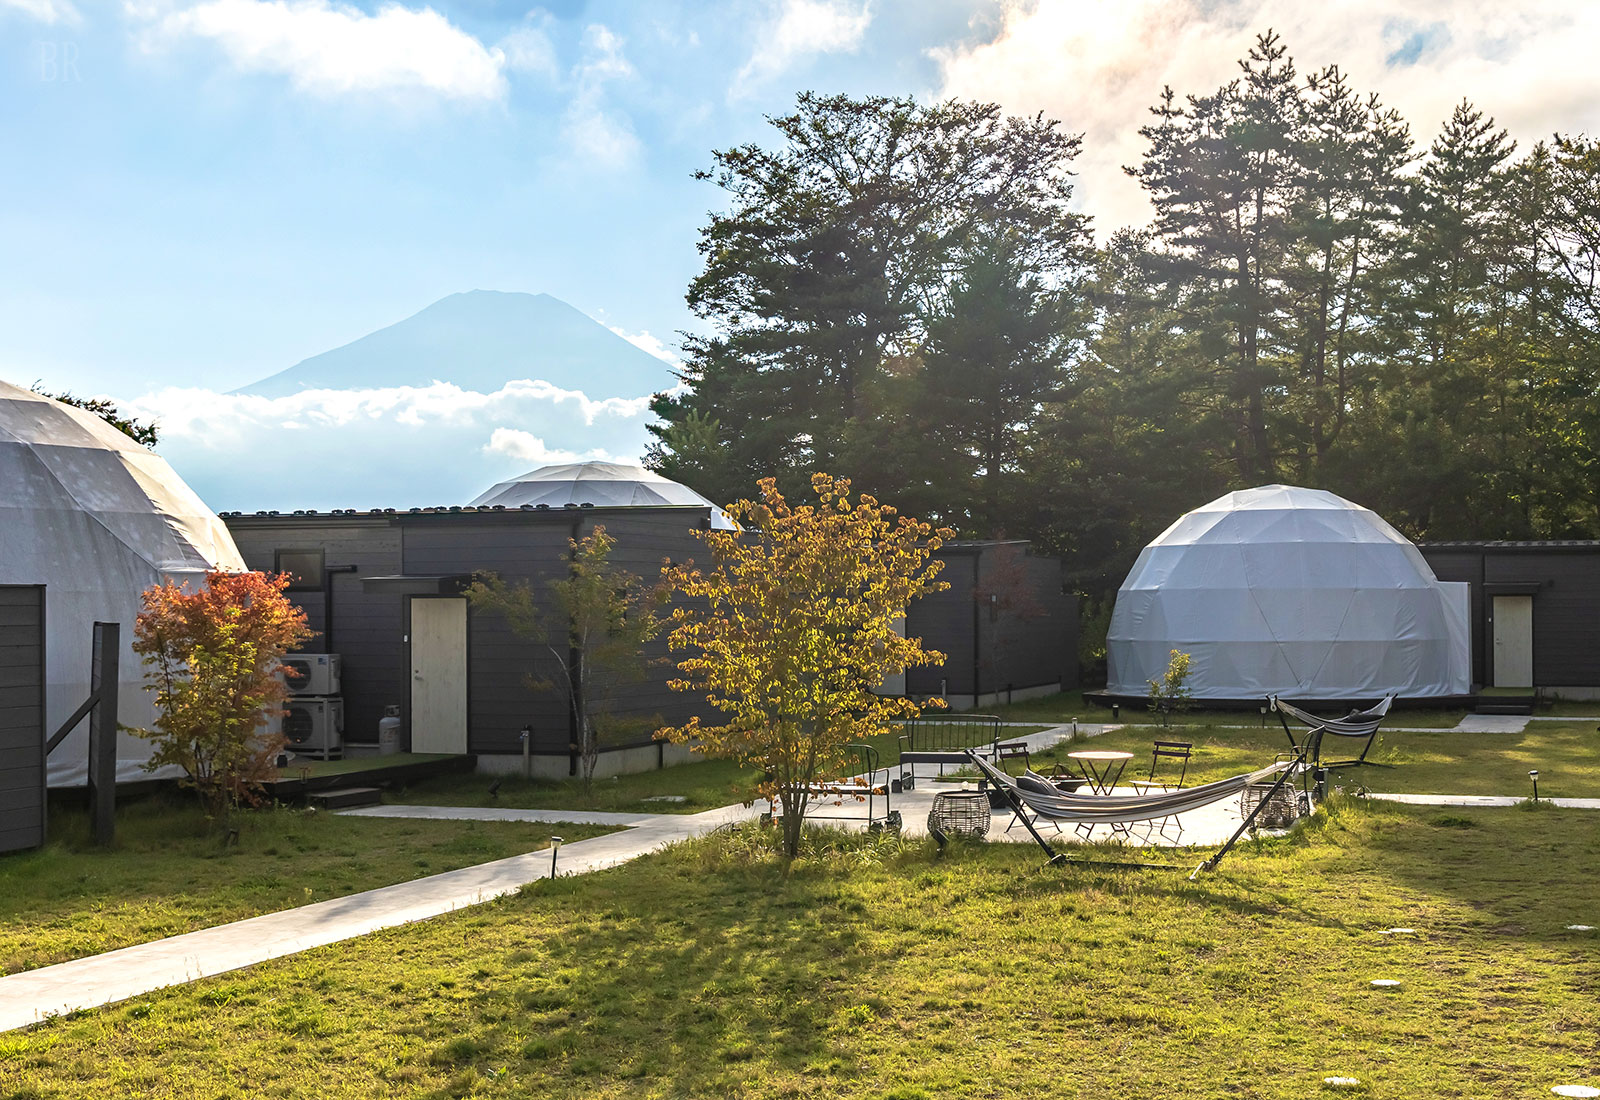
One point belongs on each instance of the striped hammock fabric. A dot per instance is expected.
(1117, 809)
(1358, 723)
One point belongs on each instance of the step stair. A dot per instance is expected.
(345, 798)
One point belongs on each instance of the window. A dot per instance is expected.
(305, 568)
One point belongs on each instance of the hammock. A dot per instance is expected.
(1122, 809)
(1358, 723)
(1119, 809)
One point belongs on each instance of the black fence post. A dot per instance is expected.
(103, 686)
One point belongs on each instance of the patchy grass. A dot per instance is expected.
(166, 875)
(1443, 762)
(875, 969)
(1068, 705)
(702, 785)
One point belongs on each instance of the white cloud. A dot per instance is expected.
(645, 341)
(527, 447)
(1098, 65)
(529, 48)
(397, 447)
(799, 29)
(45, 11)
(594, 130)
(331, 48)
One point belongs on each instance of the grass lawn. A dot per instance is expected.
(1067, 705)
(702, 785)
(877, 969)
(1567, 757)
(166, 876)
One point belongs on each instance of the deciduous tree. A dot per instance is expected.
(594, 628)
(211, 658)
(791, 629)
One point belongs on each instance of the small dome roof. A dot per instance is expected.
(1292, 591)
(603, 484)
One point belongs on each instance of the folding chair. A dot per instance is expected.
(1178, 751)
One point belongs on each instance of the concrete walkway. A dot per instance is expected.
(32, 995)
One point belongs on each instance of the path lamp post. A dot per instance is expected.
(1534, 775)
(555, 850)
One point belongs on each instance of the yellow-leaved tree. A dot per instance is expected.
(791, 629)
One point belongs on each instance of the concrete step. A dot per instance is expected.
(344, 798)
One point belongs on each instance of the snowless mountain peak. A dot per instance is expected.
(480, 340)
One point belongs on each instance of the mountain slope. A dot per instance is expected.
(479, 341)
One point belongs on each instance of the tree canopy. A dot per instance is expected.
(903, 292)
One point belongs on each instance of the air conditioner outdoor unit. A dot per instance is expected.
(313, 726)
(311, 673)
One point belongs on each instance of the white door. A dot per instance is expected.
(1513, 641)
(439, 675)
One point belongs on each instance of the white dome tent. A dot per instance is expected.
(95, 518)
(603, 484)
(1289, 591)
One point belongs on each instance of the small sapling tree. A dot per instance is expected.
(1171, 692)
(594, 628)
(211, 658)
(791, 629)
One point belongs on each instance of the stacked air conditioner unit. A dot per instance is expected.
(313, 722)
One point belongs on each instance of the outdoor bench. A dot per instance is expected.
(944, 740)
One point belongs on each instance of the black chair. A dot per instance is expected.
(1179, 751)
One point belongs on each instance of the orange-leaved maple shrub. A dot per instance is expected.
(210, 657)
(792, 628)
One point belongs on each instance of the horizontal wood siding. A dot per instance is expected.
(368, 628)
(500, 700)
(1566, 605)
(22, 734)
(1566, 612)
(943, 621)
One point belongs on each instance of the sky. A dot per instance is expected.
(199, 193)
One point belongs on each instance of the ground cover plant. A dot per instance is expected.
(703, 785)
(166, 876)
(874, 968)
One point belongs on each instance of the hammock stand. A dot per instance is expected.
(1358, 723)
(1112, 810)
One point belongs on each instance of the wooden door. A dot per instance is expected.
(439, 675)
(1513, 641)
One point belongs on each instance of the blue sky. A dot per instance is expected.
(183, 214)
(198, 193)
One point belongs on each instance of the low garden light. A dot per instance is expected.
(1534, 775)
(555, 850)
(1263, 716)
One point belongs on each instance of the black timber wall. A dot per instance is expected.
(1564, 580)
(22, 768)
(1004, 621)
(534, 550)
(368, 628)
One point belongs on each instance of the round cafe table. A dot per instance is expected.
(1102, 767)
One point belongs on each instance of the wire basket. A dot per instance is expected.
(960, 813)
(1282, 809)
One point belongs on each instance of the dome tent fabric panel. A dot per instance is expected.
(1288, 591)
(96, 519)
(603, 484)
